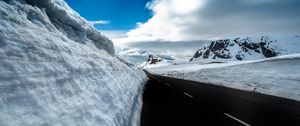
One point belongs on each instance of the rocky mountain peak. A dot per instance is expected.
(237, 49)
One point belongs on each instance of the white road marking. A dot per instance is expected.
(188, 94)
(236, 119)
(167, 84)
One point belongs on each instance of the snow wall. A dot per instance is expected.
(56, 69)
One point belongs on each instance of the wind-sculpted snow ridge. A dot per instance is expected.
(71, 24)
(55, 69)
(245, 49)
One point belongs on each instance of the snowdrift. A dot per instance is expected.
(56, 69)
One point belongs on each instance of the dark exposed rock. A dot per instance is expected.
(238, 57)
(197, 54)
(153, 60)
(268, 52)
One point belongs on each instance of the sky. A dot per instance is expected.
(112, 14)
(126, 21)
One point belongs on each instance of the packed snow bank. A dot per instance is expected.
(279, 76)
(55, 69)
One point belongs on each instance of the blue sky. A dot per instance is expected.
(188, 20)
(122, 14)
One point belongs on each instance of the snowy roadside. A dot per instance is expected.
(277, 76)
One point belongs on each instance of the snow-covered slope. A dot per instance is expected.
(277, 76)
(246, 49)
(56, 69)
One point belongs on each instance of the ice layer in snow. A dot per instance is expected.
(56, 69)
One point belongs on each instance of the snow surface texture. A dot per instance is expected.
(56, 69)
(247, 49)
(279, 76)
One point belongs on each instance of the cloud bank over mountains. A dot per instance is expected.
(177, 20)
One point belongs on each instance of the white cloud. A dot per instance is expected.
(101, 22)
(177, 20)
(169, 18)
(257, 1)
(114, 34)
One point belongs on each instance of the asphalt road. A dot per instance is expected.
(176, 102)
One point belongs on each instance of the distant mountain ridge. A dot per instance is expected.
(238, 49)
(138, 56)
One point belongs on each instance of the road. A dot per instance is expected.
(176, 102)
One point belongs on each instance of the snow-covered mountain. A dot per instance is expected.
(56, 69)
(246, 49)
(133, 55)
(138, 56)
(178, 50)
